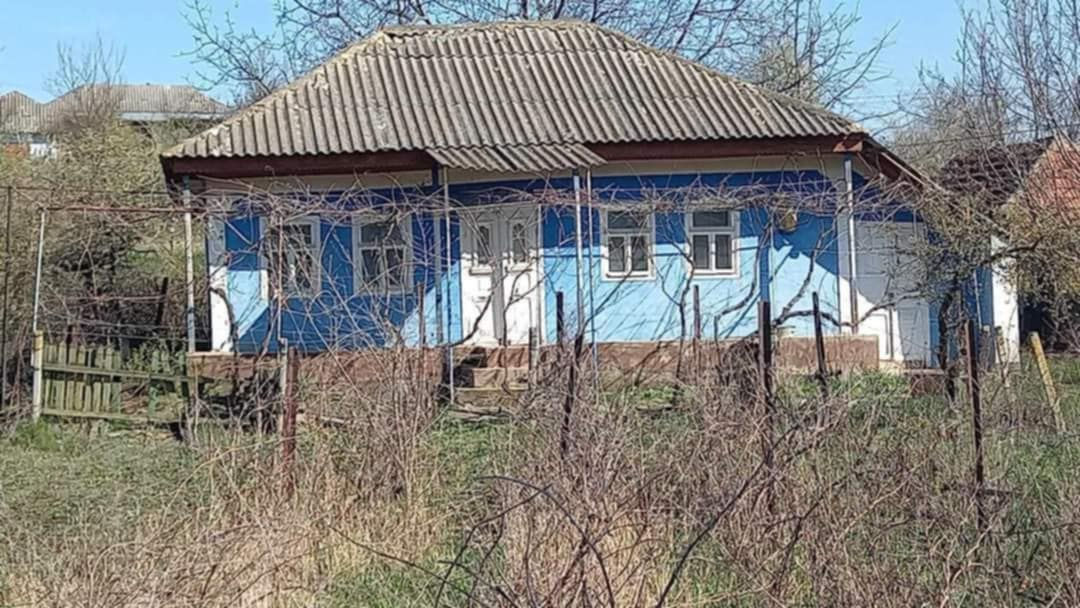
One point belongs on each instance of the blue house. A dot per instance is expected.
(462, 184)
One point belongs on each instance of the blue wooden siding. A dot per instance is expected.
(782, 270)
(337, 317)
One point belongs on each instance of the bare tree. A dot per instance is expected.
(85, 85)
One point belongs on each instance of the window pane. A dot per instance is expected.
(378, 233)
(395, 267)
(300, 270)
(723, 252)
(371, 266)
(617, 254)
(701, 252)
(484, 256)
(290, 258)
(639, 254)
(712, 219)
(519, 243)
(372, 233)
(627, 220)
(298, 234)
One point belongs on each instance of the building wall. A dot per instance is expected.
(786, 269)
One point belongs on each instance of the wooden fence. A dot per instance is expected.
(98, 381)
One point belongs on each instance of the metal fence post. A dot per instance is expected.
(819, 344)
(37, 361)
(4, 320)
(974, 394)
(765, 388)
(560, 317)
(288, 422)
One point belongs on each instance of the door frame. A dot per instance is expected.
(498, 217)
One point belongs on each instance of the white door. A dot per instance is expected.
(500, 279)
(888, 276)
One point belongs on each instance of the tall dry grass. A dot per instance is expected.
(868, 501)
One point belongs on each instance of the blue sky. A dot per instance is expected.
(155, 37)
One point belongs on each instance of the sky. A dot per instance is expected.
(155, 38)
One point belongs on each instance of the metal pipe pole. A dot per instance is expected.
(449, 304)
(4, 319)
(592, 298)
(189, 254)
(37, 271)
(39, 342)
(439, 320)
(849, 187)
(580, 258)
(540, 275)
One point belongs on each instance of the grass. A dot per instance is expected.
(60, 480)
(55, 477)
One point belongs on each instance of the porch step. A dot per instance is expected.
(494, 377)
(486, 401)
(481, 356)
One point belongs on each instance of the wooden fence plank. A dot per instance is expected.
(95, 398)
(118, 383)
(87, 381)
(106, 386)
(66, 401)
(84, 380)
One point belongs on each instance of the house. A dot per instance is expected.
(466, 183)
(1041, 177)
(27, 126)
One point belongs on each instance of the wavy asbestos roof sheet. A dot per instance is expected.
(518, 159)
(500, 85)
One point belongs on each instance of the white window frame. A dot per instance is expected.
(731, 231)
(265, 262)
(404, 222)
(649, 232)
(471, 243)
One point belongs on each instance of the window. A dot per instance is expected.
(711, 235)
(628, 242)
(382, 254)
(292, 258)
(483, 249)
(519, 243)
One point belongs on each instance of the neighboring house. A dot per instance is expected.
(447, 163)
(27, 127)
(1043, 176)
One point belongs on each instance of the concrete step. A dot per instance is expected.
(493, 377)
(487, 400)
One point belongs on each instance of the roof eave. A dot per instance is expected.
(241, 167)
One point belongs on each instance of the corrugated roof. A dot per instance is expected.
(135, 102)
(20, 114)
(153, 99)
(518, 159)
(505, 84)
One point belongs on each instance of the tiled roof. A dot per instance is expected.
(134, 102)
(993, 174)
(464, 90)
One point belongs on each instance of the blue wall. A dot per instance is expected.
(785, 270)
